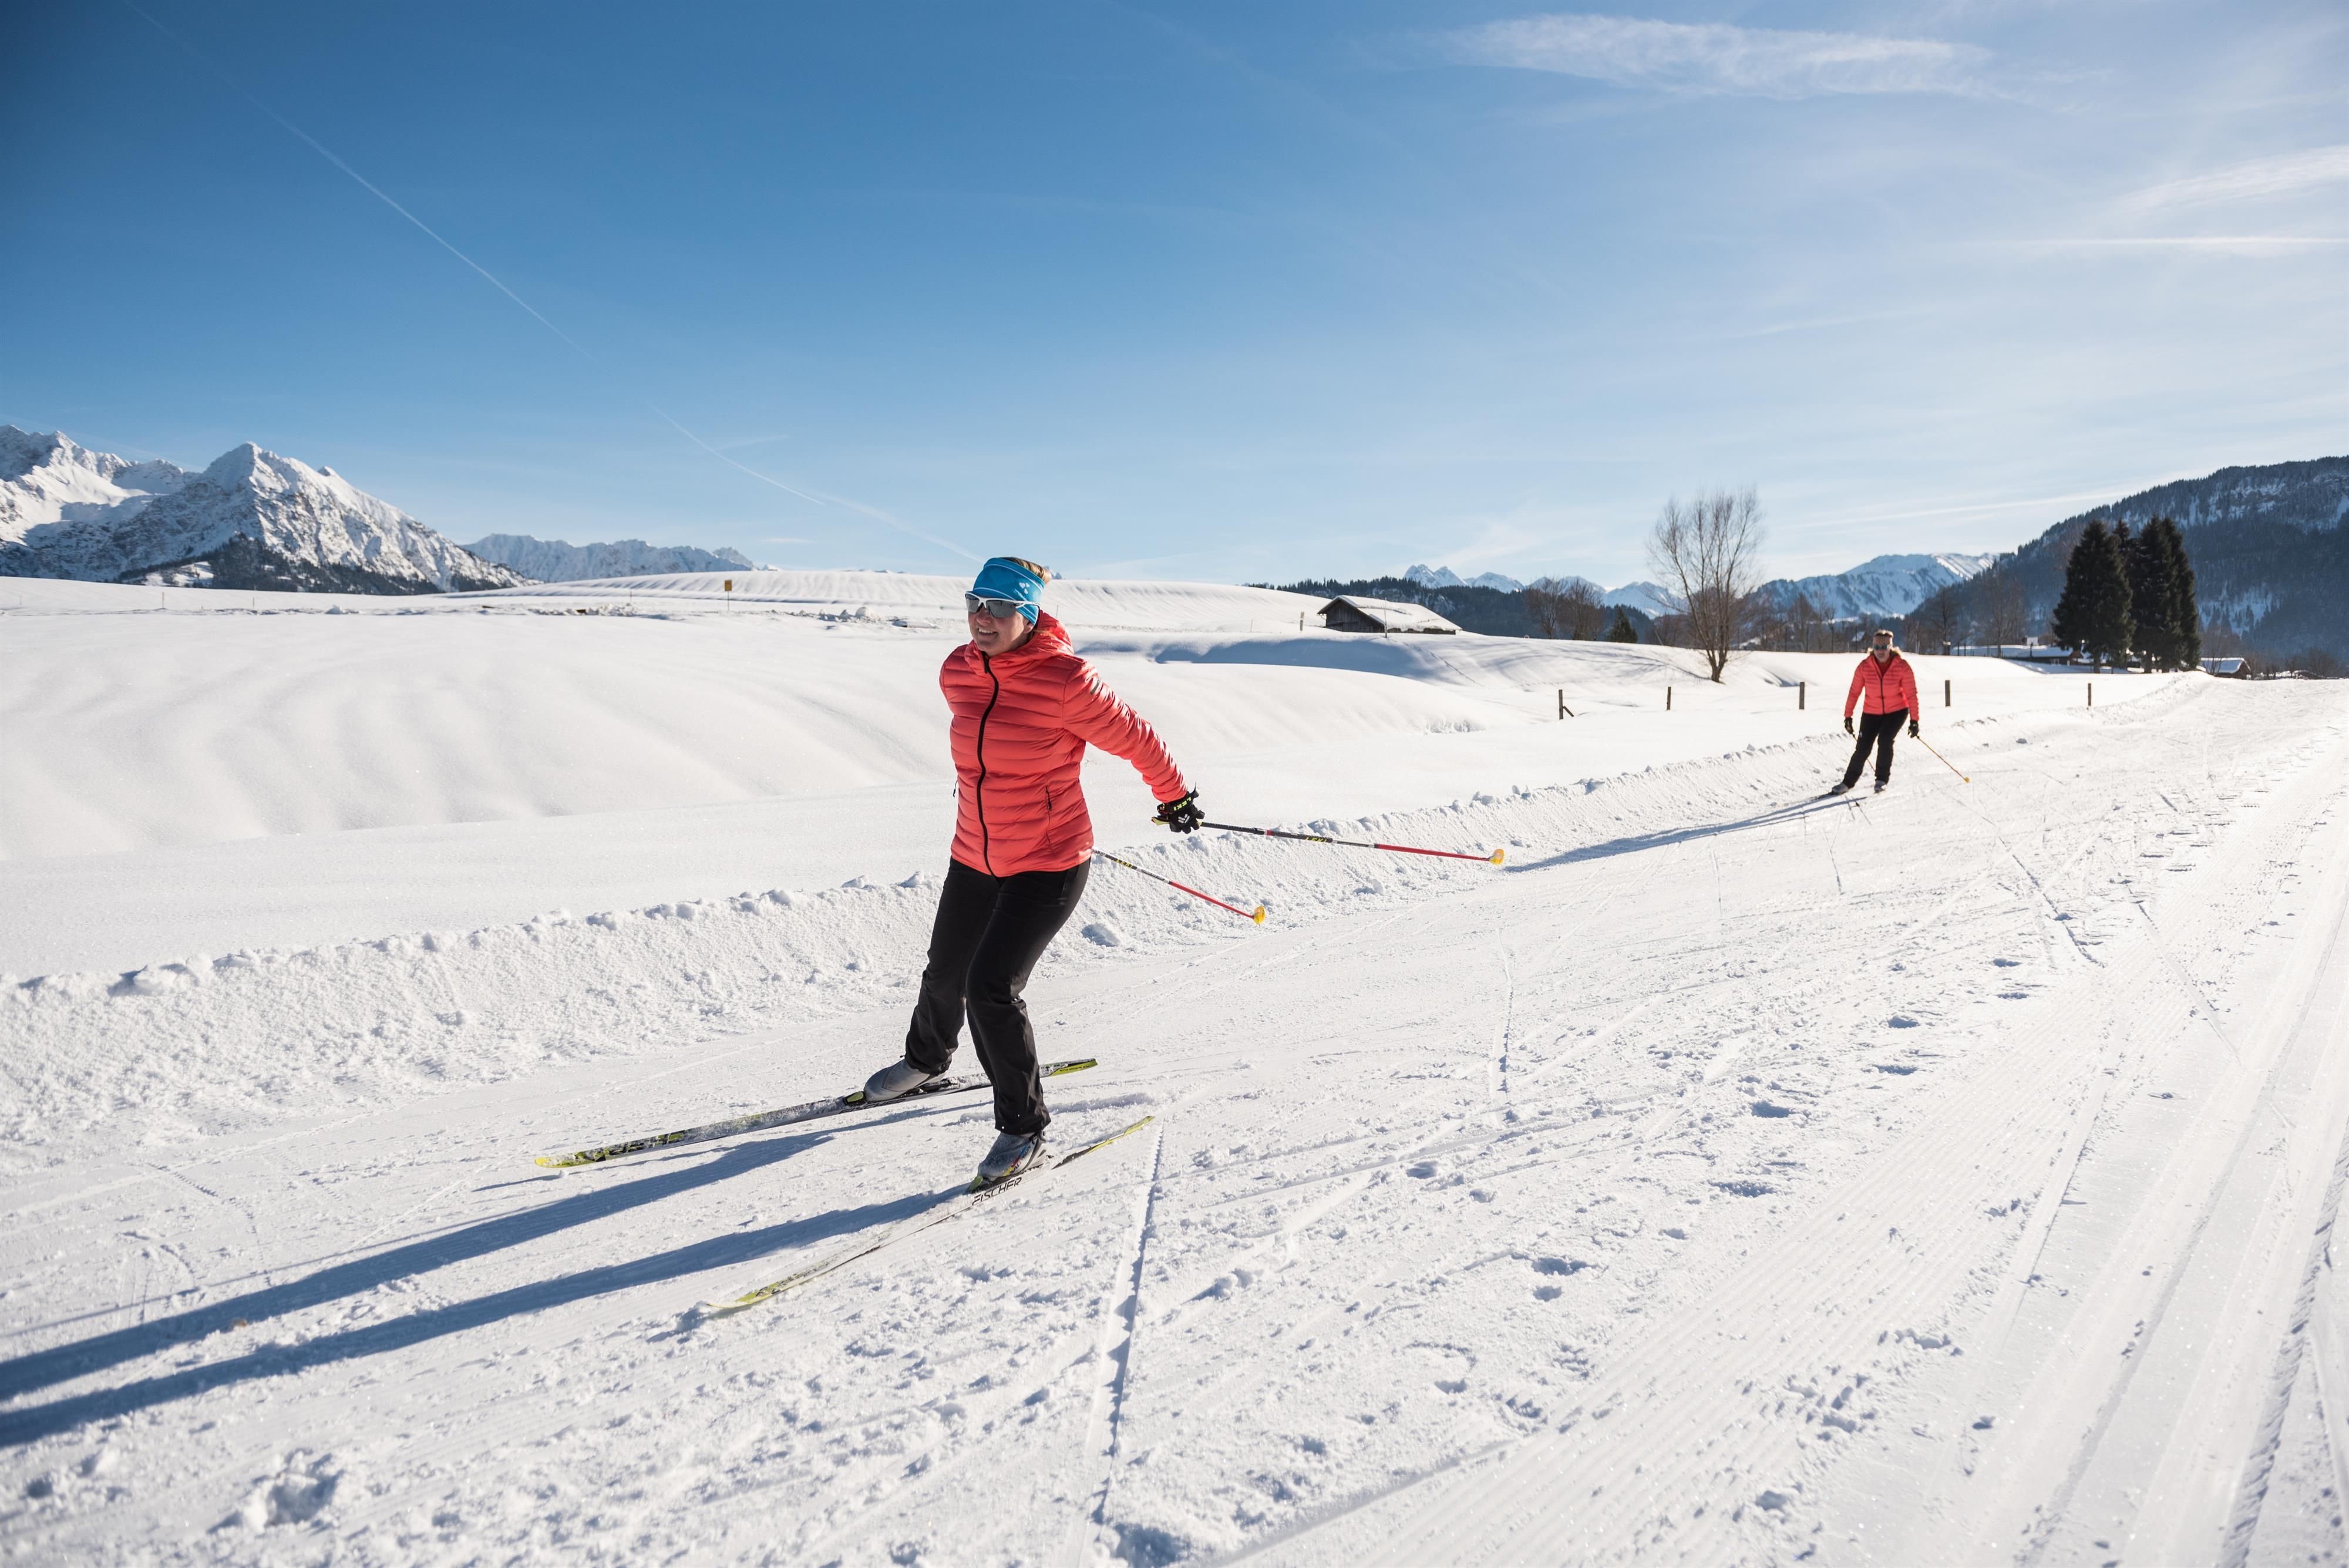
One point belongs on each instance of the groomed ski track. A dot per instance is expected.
(1733, 1177)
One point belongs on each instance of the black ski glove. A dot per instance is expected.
(1182, 816)
(1847, 725)
(1912, 729)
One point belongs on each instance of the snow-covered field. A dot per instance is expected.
(1731, 1176)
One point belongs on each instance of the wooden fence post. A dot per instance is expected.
(1668, 699)
(1945, 691)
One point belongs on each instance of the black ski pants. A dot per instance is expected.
(1878, 729)
(990, 932)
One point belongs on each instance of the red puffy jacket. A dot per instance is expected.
(1021, 722)
(1888, 686)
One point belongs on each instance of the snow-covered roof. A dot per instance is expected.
(1392, 615)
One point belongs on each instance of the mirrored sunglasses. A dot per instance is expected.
(999, 609)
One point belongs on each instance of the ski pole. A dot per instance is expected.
(1945, 762)
(1493, 859)
(1243, 914)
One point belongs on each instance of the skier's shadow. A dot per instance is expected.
(1633, 844)
(25, 1374)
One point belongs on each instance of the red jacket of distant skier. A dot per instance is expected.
(1889, 687)
(1021, 722)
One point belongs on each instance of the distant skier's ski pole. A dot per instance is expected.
(1243, 914)
(1493, 858)
(1945, 762)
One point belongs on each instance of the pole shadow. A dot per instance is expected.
(23, 1374)
(21, 1426)
(1634, 843)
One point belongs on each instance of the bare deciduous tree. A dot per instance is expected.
(1584, 615)
(1707, 555)
(1810, 626)
(1938, 621)
(1542, 607)
(1565, 607)
(2003, 608)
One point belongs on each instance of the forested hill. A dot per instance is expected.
(2268, 544)
(1488, 610)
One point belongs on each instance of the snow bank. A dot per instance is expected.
(209, 1045)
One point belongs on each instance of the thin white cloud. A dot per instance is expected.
(2279, 176)
(2214, 245)
(1716, 57)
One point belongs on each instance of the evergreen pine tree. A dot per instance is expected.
(2185, 607)
(1622, 631)
(2147, 559)
(2093, 614)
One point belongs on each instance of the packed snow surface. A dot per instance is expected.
(1731, 1175)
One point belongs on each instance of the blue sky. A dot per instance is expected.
(1229, 291)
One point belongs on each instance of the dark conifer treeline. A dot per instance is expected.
(2124, 592)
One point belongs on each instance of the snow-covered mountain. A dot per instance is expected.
(1650, 598)
(252, 520)
(47, 484)
(556, 561)
(1428, 577)
(2271, 555)
(1886, 586)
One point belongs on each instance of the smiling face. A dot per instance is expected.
(993, 635)
(1883, 648)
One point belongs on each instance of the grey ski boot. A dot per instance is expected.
(894, 1082)
(1012, 1153)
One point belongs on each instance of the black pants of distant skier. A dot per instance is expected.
(1875, 730)
(990, 932)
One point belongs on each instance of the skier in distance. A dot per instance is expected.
(1889, 688)
(1023, 707)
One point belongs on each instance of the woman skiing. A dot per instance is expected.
(1024, 707)
(1889, 688)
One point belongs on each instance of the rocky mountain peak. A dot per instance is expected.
(252, 518)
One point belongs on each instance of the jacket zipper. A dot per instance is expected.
(978, 790)
(1880, 671)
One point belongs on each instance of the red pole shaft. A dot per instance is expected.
(1492, 859)
(1243, 914)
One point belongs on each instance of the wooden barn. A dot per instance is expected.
(1349, 613)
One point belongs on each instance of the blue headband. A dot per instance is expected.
(1005, 578)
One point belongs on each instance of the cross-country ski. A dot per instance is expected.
(951, 1209)
(785, 1115)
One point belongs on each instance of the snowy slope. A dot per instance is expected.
(1203, 606)
(554, 561)
(1733, 1176)
(46, 481)
(200, 722)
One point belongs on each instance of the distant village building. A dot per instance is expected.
(1349, 613)
(2229, 669)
